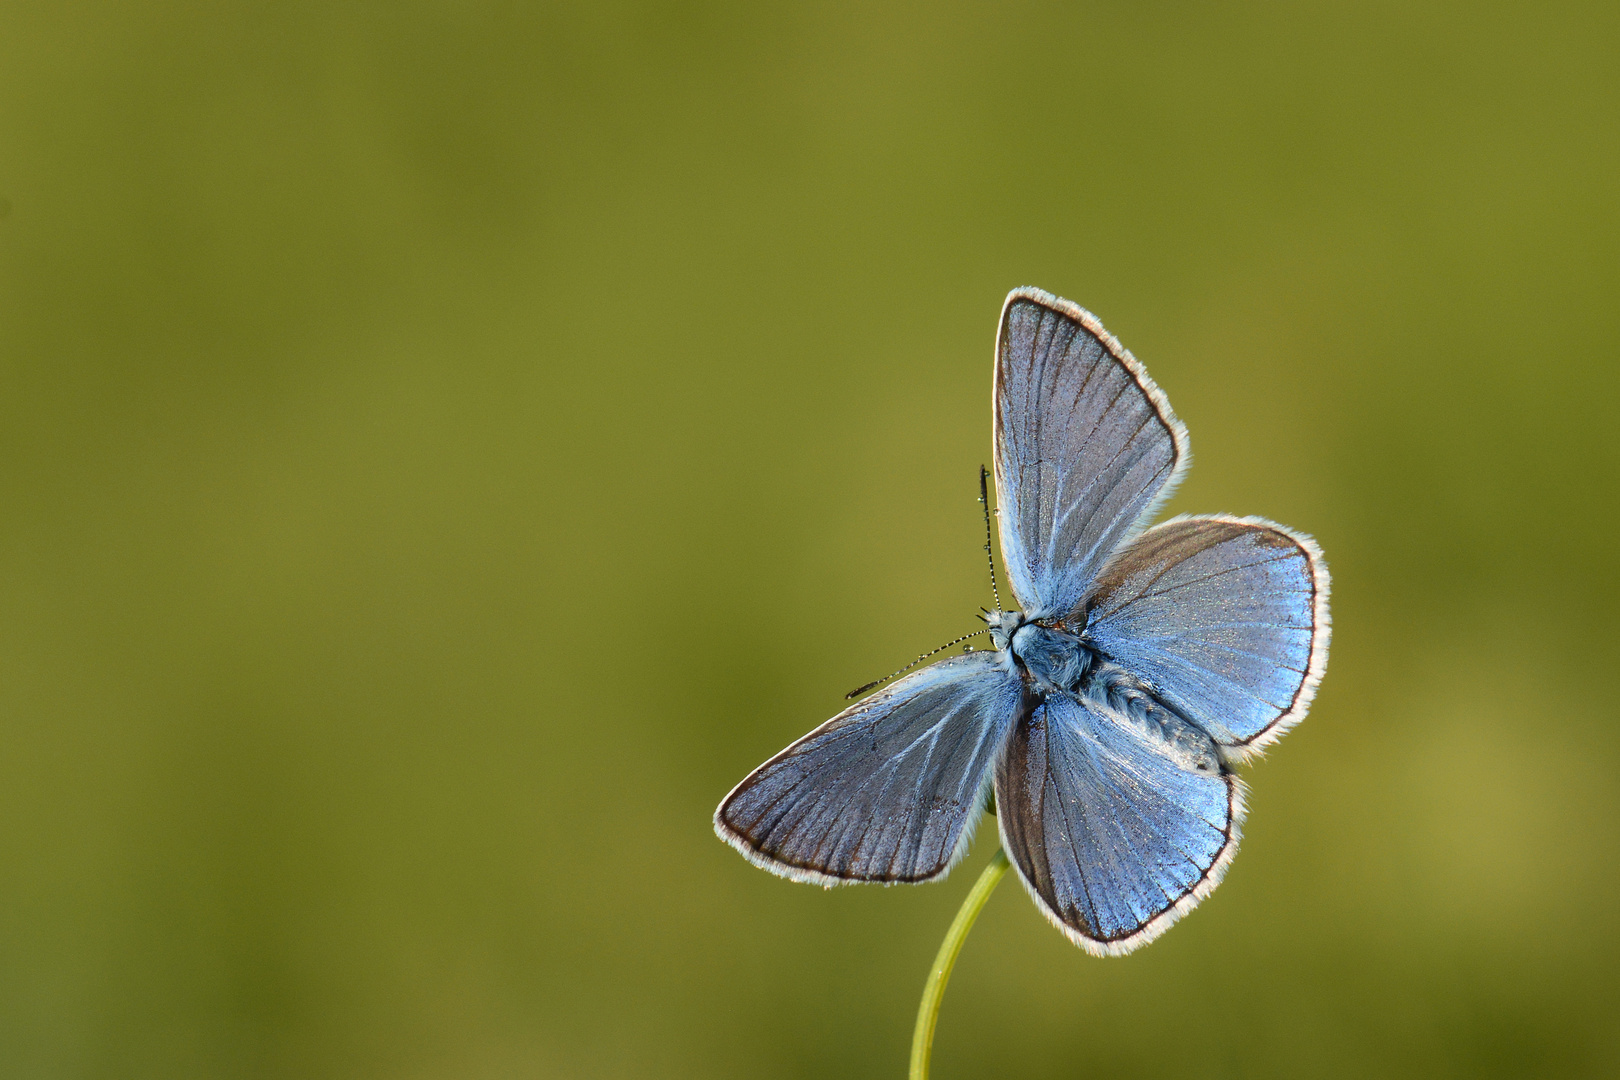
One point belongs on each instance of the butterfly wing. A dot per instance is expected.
(1227, 618)
(1086, 448)
(885, 791)
(1113, 837)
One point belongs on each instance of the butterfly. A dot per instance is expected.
(1141, 667)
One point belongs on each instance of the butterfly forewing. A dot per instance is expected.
(1226, 617)
(885, 791)
(1086, 446)
(1113, 837)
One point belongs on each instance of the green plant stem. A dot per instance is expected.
(922, 1040)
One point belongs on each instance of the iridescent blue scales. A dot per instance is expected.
(1142, 666)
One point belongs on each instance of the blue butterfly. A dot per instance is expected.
(1144, 665)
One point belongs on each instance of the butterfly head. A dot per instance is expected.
(1003, 625)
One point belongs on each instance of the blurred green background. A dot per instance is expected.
(443, 447)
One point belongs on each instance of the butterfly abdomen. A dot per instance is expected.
(1122, 694)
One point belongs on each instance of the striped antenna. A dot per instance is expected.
(984, 501)
(859, 690)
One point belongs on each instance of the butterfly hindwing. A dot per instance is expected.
(1113, 837)
(885, 791)
(1226, 617)
(1086, 446)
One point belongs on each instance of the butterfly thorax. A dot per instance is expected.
(1050, 655)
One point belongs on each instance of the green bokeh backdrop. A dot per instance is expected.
(444, 446)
